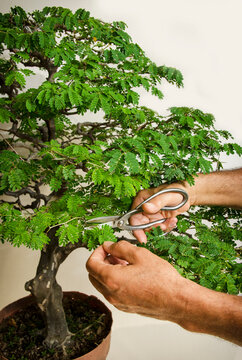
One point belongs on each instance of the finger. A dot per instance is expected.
(110, 259)
(138, 219)
(141, 196)
(152, 207)
(140, 236)
(160, 201)
(148, 218)
(170, 223)
(122, 250)
(97, 262)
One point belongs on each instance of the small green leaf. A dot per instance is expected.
(72, 233)
(115, 159)
(94, 103)
(55, 184)
(97, 176)
(104, 103)
(29, 105)
(205, 165)
(132, 163)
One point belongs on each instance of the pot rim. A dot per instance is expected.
(100, 350)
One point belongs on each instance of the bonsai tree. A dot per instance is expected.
(58, 170)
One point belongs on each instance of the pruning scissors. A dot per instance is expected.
(121, 222)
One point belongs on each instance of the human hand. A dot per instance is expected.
(152, 212)
(135, 280)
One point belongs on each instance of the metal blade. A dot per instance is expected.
(103, 219)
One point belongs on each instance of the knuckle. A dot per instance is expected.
(141, 192)
(143, 253)
(121, 244)
(141, 195)
(88, 264)
(139, 251)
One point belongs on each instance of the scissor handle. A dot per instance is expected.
(164, 191)
(121, 223)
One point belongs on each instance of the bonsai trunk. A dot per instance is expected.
(48, 293)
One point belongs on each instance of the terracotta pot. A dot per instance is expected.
(101, 351)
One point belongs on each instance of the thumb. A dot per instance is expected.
(151, 207)
(122, 250)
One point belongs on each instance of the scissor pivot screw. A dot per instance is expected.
(120, 223)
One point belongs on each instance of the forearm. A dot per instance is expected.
(211, 312)
(222, 188)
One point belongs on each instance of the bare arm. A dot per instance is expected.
(212, 312)
(221, 188)
(145, 284)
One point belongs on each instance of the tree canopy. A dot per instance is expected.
(95, 168)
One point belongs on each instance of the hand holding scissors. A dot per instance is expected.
(122, 222)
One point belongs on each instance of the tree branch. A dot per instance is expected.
(35, 195)
(4, 139)
(14, 130)
(64, 252)
(51, 129)
(70, 113)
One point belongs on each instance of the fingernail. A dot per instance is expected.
(143, 241)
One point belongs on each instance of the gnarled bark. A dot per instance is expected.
(48, 292)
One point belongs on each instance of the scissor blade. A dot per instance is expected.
(103, 219)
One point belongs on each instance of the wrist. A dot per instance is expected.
(190, 189)
(180, 303)
(189, 306)
(199, 307)
(186, 305)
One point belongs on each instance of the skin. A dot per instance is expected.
(137, 281)
(219, 189)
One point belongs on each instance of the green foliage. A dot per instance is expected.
(205, 257)
(71, 170)
(98, 235)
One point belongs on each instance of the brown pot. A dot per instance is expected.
(101, 351)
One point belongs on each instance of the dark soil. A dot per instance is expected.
(22, 335)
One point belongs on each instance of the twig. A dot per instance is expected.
(4, 139)
(63, 223)
(89, 326)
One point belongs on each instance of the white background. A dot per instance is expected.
(202, 38)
